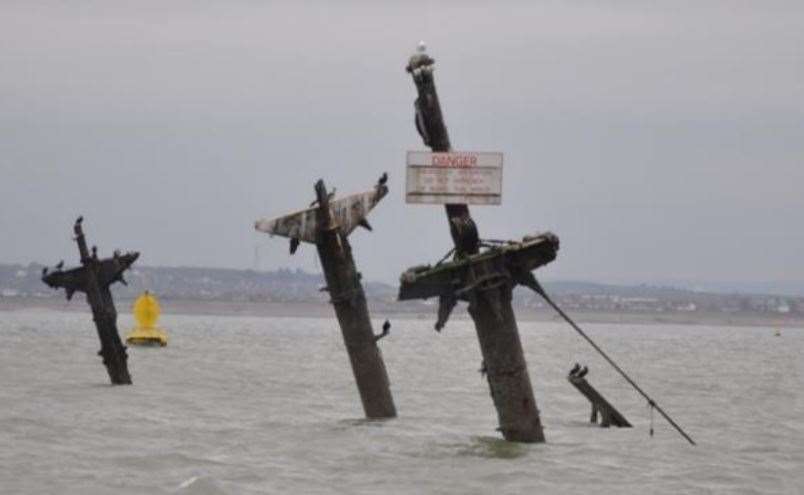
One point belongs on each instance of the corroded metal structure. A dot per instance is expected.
(484, 275)
(609, 415)
(327, 224)
(94, 278)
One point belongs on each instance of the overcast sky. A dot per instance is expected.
(660, 141)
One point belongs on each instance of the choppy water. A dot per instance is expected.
(267, 405)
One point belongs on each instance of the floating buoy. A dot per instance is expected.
(146, 311)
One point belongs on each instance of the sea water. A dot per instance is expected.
(239, 405)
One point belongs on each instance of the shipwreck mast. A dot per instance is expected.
(94, 278)
(328, 226)
(484, 279)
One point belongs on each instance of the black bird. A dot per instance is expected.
(294, 245)
(60, 265)
(79, 220)
(383, 179)
(583, 372)
(364, 223)
(575, 369)
(94, 252)
(330, 195)
(421, 127)
(44, 271)
(386, 328)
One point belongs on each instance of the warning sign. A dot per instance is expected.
(467, 177)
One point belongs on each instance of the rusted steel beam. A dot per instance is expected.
(328, 225)
(609, 415)
(94, 278)
(483, 279)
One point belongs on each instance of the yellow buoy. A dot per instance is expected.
(146, 312)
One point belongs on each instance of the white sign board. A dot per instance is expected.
(454, 177)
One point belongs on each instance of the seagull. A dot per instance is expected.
(583, 372)
(575, 369)
(383, 179)
(60, 265)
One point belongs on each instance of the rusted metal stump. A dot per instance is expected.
(609, 415)
(484, 279)
(328, 225)
(94, 278)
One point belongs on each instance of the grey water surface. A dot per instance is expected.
(239, 405)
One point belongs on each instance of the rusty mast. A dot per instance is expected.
(94, 278)
(482, 274)
(327, 224)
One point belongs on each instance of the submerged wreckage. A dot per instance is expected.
(481, 273)
(327, 224)
(94, 278)
(484, 273)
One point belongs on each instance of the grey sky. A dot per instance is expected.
(660, 142)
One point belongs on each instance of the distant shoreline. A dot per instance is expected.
(415, 310)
